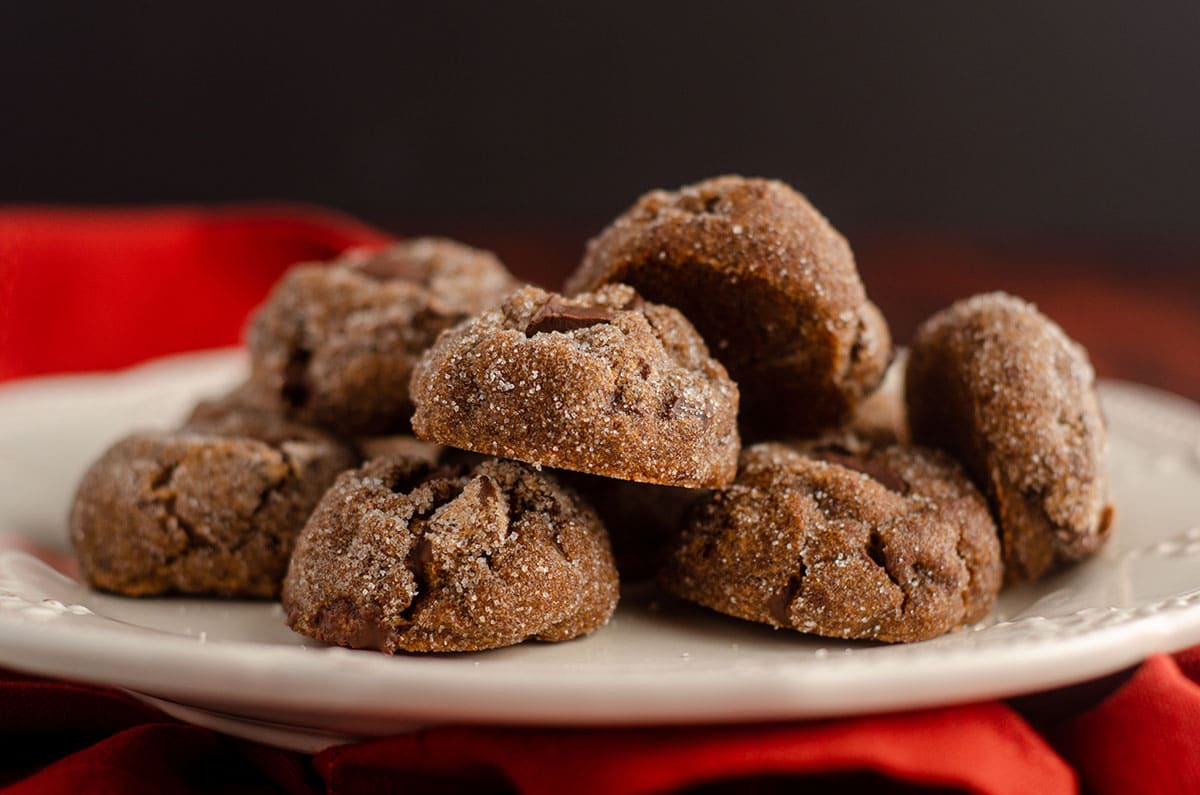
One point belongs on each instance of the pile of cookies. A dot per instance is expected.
(725, 311)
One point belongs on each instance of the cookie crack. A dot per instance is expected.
(162, 493)
(779, 603)
(264, 498)
(420, 551)
(874, 552)
(275, 486)
(972, 571)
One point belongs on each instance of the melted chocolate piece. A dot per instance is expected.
(558, 315)
(877, 470)
(778, 603)
(419, 558)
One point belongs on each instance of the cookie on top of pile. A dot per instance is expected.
(566, 437)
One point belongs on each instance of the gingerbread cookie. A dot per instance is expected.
(1001, 387)
(335, 344)
(770, 285)
(604, 383)
(402, 555)
(891, 544)
(200, 513)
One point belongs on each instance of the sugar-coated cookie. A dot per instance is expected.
(405, 555)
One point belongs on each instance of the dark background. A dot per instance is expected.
(1047, 121)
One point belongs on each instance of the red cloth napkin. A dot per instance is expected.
(83, 289)
(98, 289)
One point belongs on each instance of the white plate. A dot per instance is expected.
(235, 666)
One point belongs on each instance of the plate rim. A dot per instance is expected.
(401, 688)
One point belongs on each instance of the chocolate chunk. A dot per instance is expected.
(780, 602)
(558, 315)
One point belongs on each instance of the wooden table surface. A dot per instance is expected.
(1135, 308)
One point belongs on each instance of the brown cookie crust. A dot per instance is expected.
(891, 544)
(335, 343)
(199, 513)
(1001, 387)
(602, 383)
(404, 555)
(770, 285)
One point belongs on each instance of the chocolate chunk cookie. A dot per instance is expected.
(770, 285)
(336, 343)
(892, 544)
(604, 383)
(1002, 388)
(200, 513)
(402, 555)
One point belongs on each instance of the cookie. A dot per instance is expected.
(200, 513)
(404, 555)
(890, 544)
(335, 344)
(1002, 388)
(770, 285)
(604, 383)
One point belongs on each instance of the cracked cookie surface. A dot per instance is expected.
(1002, 388)
(770, 285)
(603, 383)
(200, 513)
(408, 555)
(890, 544)
(335, 343)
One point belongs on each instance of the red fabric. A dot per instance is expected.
(90, 290)
(980, 748)
(95, 289)
(1146, 736)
